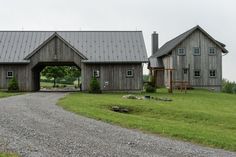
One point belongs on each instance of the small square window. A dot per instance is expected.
(185, 70)
(212, 73)
(212, 51)
(181, 51)
(197, 73)
(130, 73)
(10, 74)
(196, 51)
(96, 73)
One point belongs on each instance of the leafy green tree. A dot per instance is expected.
(74, 72)
(54, 72)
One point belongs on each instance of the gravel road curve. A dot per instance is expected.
(32, 125)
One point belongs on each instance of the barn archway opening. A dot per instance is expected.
(57, 77)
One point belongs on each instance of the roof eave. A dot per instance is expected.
(7, 63)
(87, 61)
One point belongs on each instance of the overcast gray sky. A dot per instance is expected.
(168, 17)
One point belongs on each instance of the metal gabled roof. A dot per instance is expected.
(156, 63)
(170, 45)
(96, 46)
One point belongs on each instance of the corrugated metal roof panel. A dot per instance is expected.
(156, 63)
(97, 46)
(167, 47)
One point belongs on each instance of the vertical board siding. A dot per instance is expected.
(19, 71)
(203, 62)
(55, 52)
(168, 63)
(28, 75)
(115, 74)
(159, 77)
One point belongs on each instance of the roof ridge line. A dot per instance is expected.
(69, 31)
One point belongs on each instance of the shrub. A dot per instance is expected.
(150, 86)
(94, 86)
(152, 81)
(150, 89)
(228, 87)
(13, 85)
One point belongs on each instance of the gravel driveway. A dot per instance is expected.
(32, 125)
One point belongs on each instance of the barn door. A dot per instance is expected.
(185, 74)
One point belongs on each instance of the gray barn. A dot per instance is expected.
(194, 56)
(115, 57)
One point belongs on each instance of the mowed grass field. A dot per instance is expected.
(199, 116)
(50, 85)
(8, 155)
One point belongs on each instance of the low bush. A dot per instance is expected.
(150, 89)
(95, 86)
(228, 87)
(13, 85)
(150, 86)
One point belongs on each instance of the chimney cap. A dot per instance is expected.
(154, 32)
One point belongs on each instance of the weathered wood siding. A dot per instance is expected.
(19, 71)
(55, 52)
(203, 62)
(115, 75)
(168, 64)
(159, 77)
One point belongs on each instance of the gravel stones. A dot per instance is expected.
(32, 125)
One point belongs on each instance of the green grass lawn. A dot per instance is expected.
(4, 94)
(199, 116)
(50, 85)
(8, 155)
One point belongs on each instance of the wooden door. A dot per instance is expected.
(185, 74)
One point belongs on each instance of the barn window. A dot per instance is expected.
(130, 73)
(197, 73)
(96, 73)
(185, 70)
(212, 51)
(10, 74)
(196, 51)
(181, 51)
(212, 73)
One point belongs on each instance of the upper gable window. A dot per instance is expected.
(212, 51)
(181, 51)
(196, 51)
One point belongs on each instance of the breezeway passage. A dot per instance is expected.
(32, 125)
